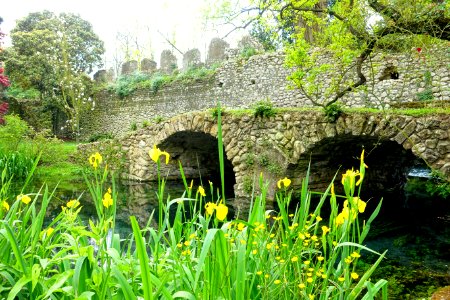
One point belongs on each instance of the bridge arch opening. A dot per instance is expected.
(388, 167)
(198, 153)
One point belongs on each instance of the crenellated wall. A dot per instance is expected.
(239, 83)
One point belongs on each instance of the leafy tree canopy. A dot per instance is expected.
(349, 31)
(36, 51)
(52, 54)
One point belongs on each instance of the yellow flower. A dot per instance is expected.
(354, 275)
(201, 190)
(320, 258)
(24, 198)
(73, 203)
(221, 211)
(302, 285)
(210, 206)
(306, 262)
(285, 181)
(259, 273)
(155, 153)
(341, 278)
(107, 200)
(325, 230)
(319, 218)
(355, 255)
(254, 251)
(350, 177)
(278, 281)
(294, 259)
(95, 159)
(187, 243)
(360, 203)
(309, 280)
(5, 205)
(241, 226)
(49, 231)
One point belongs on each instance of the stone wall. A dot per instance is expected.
(282, 145)
(239, 83)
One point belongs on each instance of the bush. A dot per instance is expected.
(12, 133)
(248, 52)
(264, 109)
(100, 136)
(127, 84)
(20, 93)
(333, 112)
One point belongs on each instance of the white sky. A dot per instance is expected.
(179, 20)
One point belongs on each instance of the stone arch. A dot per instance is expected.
(191, 138)
(388, 164)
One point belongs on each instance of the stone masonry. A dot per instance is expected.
(239, 83)
(289, 137)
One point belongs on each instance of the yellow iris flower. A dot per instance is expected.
(5, 205)
(201, 190)
(107, 200)
(210, 207)
(221, 211)
(95, 160)
(73, 204)
(24, 198)
(155, 154)
(285, 181)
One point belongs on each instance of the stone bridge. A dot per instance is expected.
(284, 145)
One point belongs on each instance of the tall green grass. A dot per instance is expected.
(285, 254)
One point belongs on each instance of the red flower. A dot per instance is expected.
(419, 49)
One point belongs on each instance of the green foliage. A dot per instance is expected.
(438, 185)
(426, 95)
(158, 119)
(100, 136)
(145, 124)
(249, 159)
(52, 55)
(248, 184)
(264, 109)
(333, 112)
(211, 254)
(16, 164)
(21, 93)
(248, 52)
(133, 126)
(12, 133)
(127, 84)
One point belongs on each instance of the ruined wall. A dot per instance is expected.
(239, 83)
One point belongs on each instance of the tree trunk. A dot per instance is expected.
(310, 30)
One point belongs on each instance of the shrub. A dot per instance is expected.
(248, 52)
(20, 93)
(264, 109)
(13, 132)
(333, 112)
(133, 126)
(100, 136)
